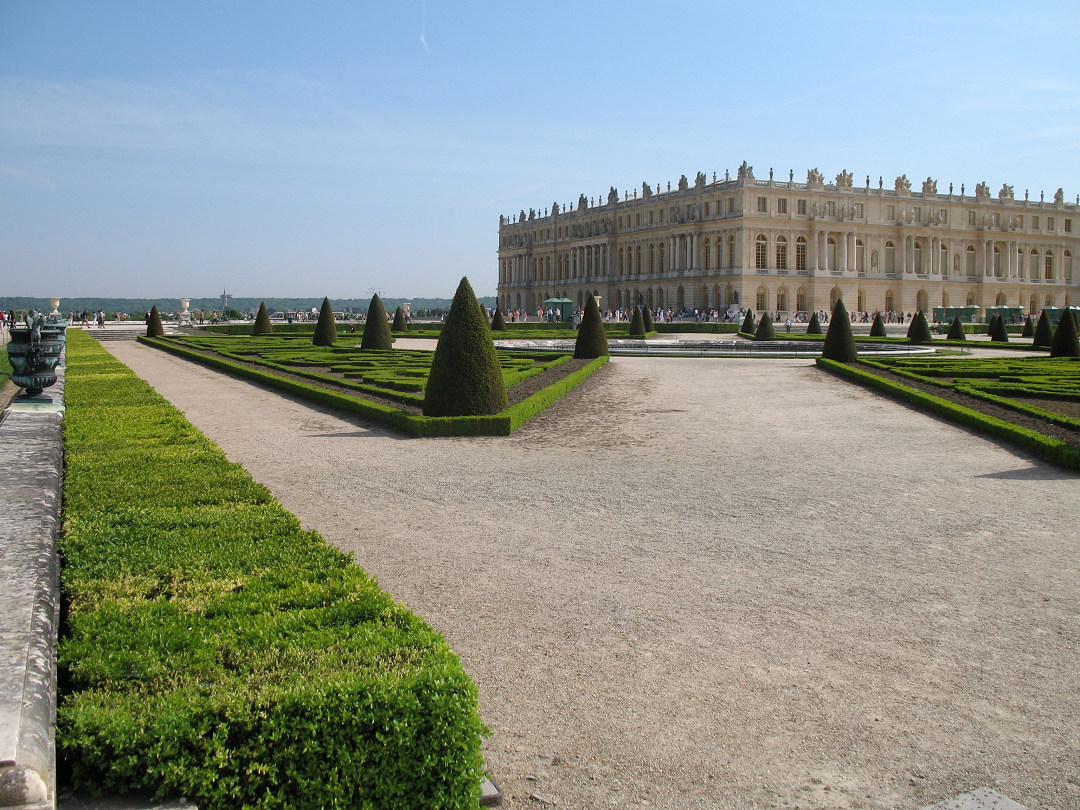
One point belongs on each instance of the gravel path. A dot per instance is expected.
(711, 583)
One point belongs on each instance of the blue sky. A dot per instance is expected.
(304, 149)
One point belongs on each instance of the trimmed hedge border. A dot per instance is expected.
(500, 424)
(216, 650)
(1055, 450)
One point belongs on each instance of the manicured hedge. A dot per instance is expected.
(1053, 449)
(216, 650)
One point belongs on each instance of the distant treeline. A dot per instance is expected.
(139, 306)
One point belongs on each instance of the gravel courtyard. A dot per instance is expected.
(710, 583)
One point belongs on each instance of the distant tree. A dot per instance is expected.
(814, 327)
(465, 377)
(1044, 332)
(919, 330)
(498, 323)
(262, 322)
(996, 329)
(325, 329)
(400, 323)
(153, 323)
(376, 329)
(591, 337)
(748, 323)
(839, 341)
(1065, 337)
(646, 317)
(1029, 327)
(637, 324)
(765, 328)
(956, 330)
(877, 329)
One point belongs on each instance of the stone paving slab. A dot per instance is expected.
(32, 456)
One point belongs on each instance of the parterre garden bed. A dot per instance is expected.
(386, 385)
(213, 649)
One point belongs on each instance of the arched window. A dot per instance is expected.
(921, 299)
(781, 255)
(762, 302)
(1033, 305)
(944, 298)
(1000, 300)
(800, 256)
(620, 262)
(781, 299)
(761, 253)
(971, 299)
(637, 260)
(860, 257)
(890, 260)
(652, 257)
(1049, 301)
(861, 299)
(1048, 266)
(1033, 263)
(831, 254)
(660, 252)
(704, 297)
(834, 296)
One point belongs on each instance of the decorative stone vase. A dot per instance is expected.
(34, 351)
(55, 304)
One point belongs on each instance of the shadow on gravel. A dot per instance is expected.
(1049, 472)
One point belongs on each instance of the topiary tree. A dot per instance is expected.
(262, 322)
(814, 327)
(765, 329)
(465, 377)
(637, 324)
(325, 329)
(877, 329)
(956, 330)
(919, 330)
(996, 329)
(498, 323)
(748, 323)
(153, 323)
(376, 329)
(1044, 332)
(400, 324)
(646, 317)
(839, 341)
(591, 337)
(1029, 327)
(1065, 341)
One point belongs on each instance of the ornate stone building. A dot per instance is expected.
(795, 247)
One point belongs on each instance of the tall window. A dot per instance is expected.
(1033, 263)
(781, 206)
(731, 251)
(890, 259)
(781, 254)
(652, 257)
(708, 250)
(1048, 266)
(1068, 266)
(860, 256)
(918, 257)
(781, 299)
(762, 299)
(663, 266)
(620, 261)
(802, 207)
(800, 258)
(998, 270)
(800, 300)
(763, 205)
(761, 253)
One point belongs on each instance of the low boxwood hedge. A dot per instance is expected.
(214, 649)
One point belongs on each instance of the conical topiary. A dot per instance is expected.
(400, 323)
(646, 317)
(591, 337)
(376, 329)
(877, 329)
(765, 329)
(262, 322)
(1029, 327)
(919, 330)
(748, 322)
(498, 323)
(996, 329)
(325, 329)
(956, 330)
(1065, 341)
(465, 377)
(153, 323)
(839, 341)
(1044, 332)
(814, 327)
(637, 324)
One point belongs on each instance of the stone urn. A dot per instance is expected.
(55, 304)
(34, 352)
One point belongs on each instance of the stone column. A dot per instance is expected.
(813, 258)
(843, 260)
(699, 255)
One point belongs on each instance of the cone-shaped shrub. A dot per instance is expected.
(498, 323)
(1044, 332)
(1029, 327)
(400, 324)
(748, 322)
(637, 324)
(153, 323)
(919, 331)
(996, 329)
(814, 327)
(591, 337)
(465, 377)
(646, 317)
(325, 329)
(262, 322)
(839, 342)
(376, 329)
(765, 329)
(877, 329)
(956, 330)
(1065, 341)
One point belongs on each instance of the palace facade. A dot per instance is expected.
(776, 245)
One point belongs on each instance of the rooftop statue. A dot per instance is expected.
(843, 180)
(902, 183)
(646, 191)
(982, 190)
(1059, 196)
(612, 196)
(746, 171)
(1006, 192)
(683, 183)
(929, 186)
(699, 181)
(815, 177)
